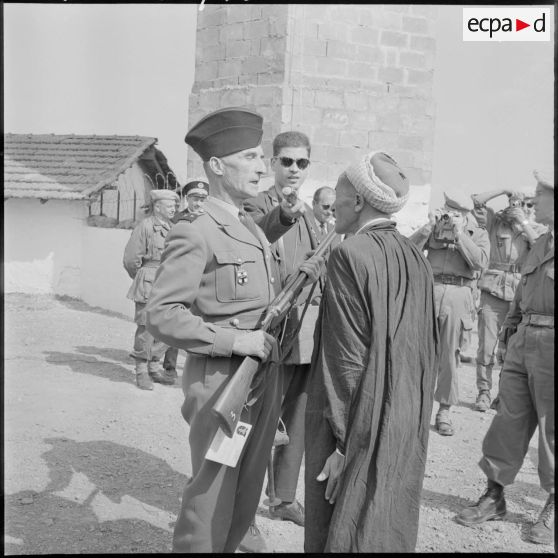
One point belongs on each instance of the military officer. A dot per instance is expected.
(210, 293)
(511, 236)
(142, 257)
(526, 383)
(457, 248)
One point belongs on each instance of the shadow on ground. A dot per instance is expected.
(102, 498)
(88, 364)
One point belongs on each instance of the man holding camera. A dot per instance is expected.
(512, 233)
(457, 247)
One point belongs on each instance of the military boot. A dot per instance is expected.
(143, 380)
(157, 373)
(482, 403)
(491, 506)
(170, 376)
(443, 422)
(542, 532)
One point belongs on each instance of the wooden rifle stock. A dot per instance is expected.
(228, 407)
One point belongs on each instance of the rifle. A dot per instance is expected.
(228, 407)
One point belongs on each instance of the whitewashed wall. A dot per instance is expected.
(42, 246)
(104, 281)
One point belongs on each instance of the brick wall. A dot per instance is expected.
(354, 78)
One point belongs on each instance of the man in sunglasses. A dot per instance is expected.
(322, 206)
(512, 232)
(290, 164)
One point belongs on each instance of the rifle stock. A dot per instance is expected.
(228, 407)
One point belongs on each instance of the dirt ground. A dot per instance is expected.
(95, 465)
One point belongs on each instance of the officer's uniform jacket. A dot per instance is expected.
(509, 247)
(215, 277)
(142, 256)
(534, 295)
(450, 261)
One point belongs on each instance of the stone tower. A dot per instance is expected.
(352, 77)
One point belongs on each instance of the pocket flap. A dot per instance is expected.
(233, 257)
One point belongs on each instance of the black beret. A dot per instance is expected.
(225, 131)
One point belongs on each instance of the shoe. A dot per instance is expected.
(143, 381)
(167, 378)
(482, 403)
(495, 403)
(491, 506)
(157, 373)
(288, 511)
(443, 423)
(253, 541)
(542, 532)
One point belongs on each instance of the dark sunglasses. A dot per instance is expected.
(288, 162)
(529, 204)
(326, 206)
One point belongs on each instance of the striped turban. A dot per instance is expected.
(381, 182)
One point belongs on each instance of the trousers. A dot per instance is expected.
(492, 313)
(526, 401)
(146, 347)
(454, 309)
(219, 502)
(288, 458)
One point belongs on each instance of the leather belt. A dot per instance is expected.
(511, 268)
(151, 263)
(453, 280)
(538, 320)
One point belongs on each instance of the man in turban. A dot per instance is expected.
(372, 374)
(526, 384)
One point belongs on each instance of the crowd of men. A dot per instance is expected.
(348, 380)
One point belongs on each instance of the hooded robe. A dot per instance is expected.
(370, 394)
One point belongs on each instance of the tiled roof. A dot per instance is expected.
(70, 167)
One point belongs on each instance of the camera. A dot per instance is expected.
(443, 228)
(515, 202)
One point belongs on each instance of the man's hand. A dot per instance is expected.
(332, 472)
(253, 343)
(313, 266)
(459, 223)
(501, 352)
(432, 217)
(293, 207)
(516, 214)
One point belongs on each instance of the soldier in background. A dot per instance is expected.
(512, 233)
(142, 257)
(526, 383)
(457, 248)
(195, 193)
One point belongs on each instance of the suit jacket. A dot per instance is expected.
(290, 251)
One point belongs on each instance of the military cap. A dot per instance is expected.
(157, 195)
(225, 131)
(545, 179)
(196, 186)
(458, 200)
(381, 181)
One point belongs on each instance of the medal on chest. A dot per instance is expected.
(241, 275)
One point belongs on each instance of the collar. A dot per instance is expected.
(228, 207)
(159, 223)
(373, 222)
